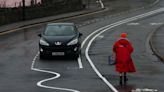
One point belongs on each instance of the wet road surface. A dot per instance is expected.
(18, 50)
(157, 41)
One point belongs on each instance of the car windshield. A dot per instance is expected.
(59, 30)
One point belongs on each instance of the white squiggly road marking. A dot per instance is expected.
(57, 75)
(103, 29)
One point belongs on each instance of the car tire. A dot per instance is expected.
(42, 56)
(76, 55)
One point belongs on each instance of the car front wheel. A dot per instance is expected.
(42, 56)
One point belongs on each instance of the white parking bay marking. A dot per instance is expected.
(57, 75)
(102, 30)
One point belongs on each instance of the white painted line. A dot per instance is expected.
(133, 10)
(144, 90)
(33, 62)
(124, 21)
(93, 66)
(86, 53)
(101, 3)
(154, 24)
(79, 62)
(100, 36)
(107, 28)
(155, 2)
(57, 75)
(133, 24)
(86, 39)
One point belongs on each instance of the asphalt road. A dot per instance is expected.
(21, 69)
(157, 41)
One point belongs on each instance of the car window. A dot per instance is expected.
(60, 30)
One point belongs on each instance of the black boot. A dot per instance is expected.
(121, 80)
(125, 79)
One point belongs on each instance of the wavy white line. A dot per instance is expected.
(57, 75)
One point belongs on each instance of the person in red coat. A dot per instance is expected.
(124, 63)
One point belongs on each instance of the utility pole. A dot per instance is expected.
(23, 10)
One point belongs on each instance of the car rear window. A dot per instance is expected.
(59, 30)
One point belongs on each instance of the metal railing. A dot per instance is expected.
(15, 14)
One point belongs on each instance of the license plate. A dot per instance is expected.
(57, 53)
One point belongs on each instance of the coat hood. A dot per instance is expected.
(123, 42)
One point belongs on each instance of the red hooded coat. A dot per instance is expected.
(123, 50)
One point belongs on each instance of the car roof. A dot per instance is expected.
(51, 24)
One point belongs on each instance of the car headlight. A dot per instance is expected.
(73, 42)
(43, 42)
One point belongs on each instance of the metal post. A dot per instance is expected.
(35, 2)
(23, 10)
(101, 3)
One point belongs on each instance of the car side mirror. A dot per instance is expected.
(39, 35)
(80, 34)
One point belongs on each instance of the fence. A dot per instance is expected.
(10, 15)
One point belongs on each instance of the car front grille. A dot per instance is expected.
(59, 48)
